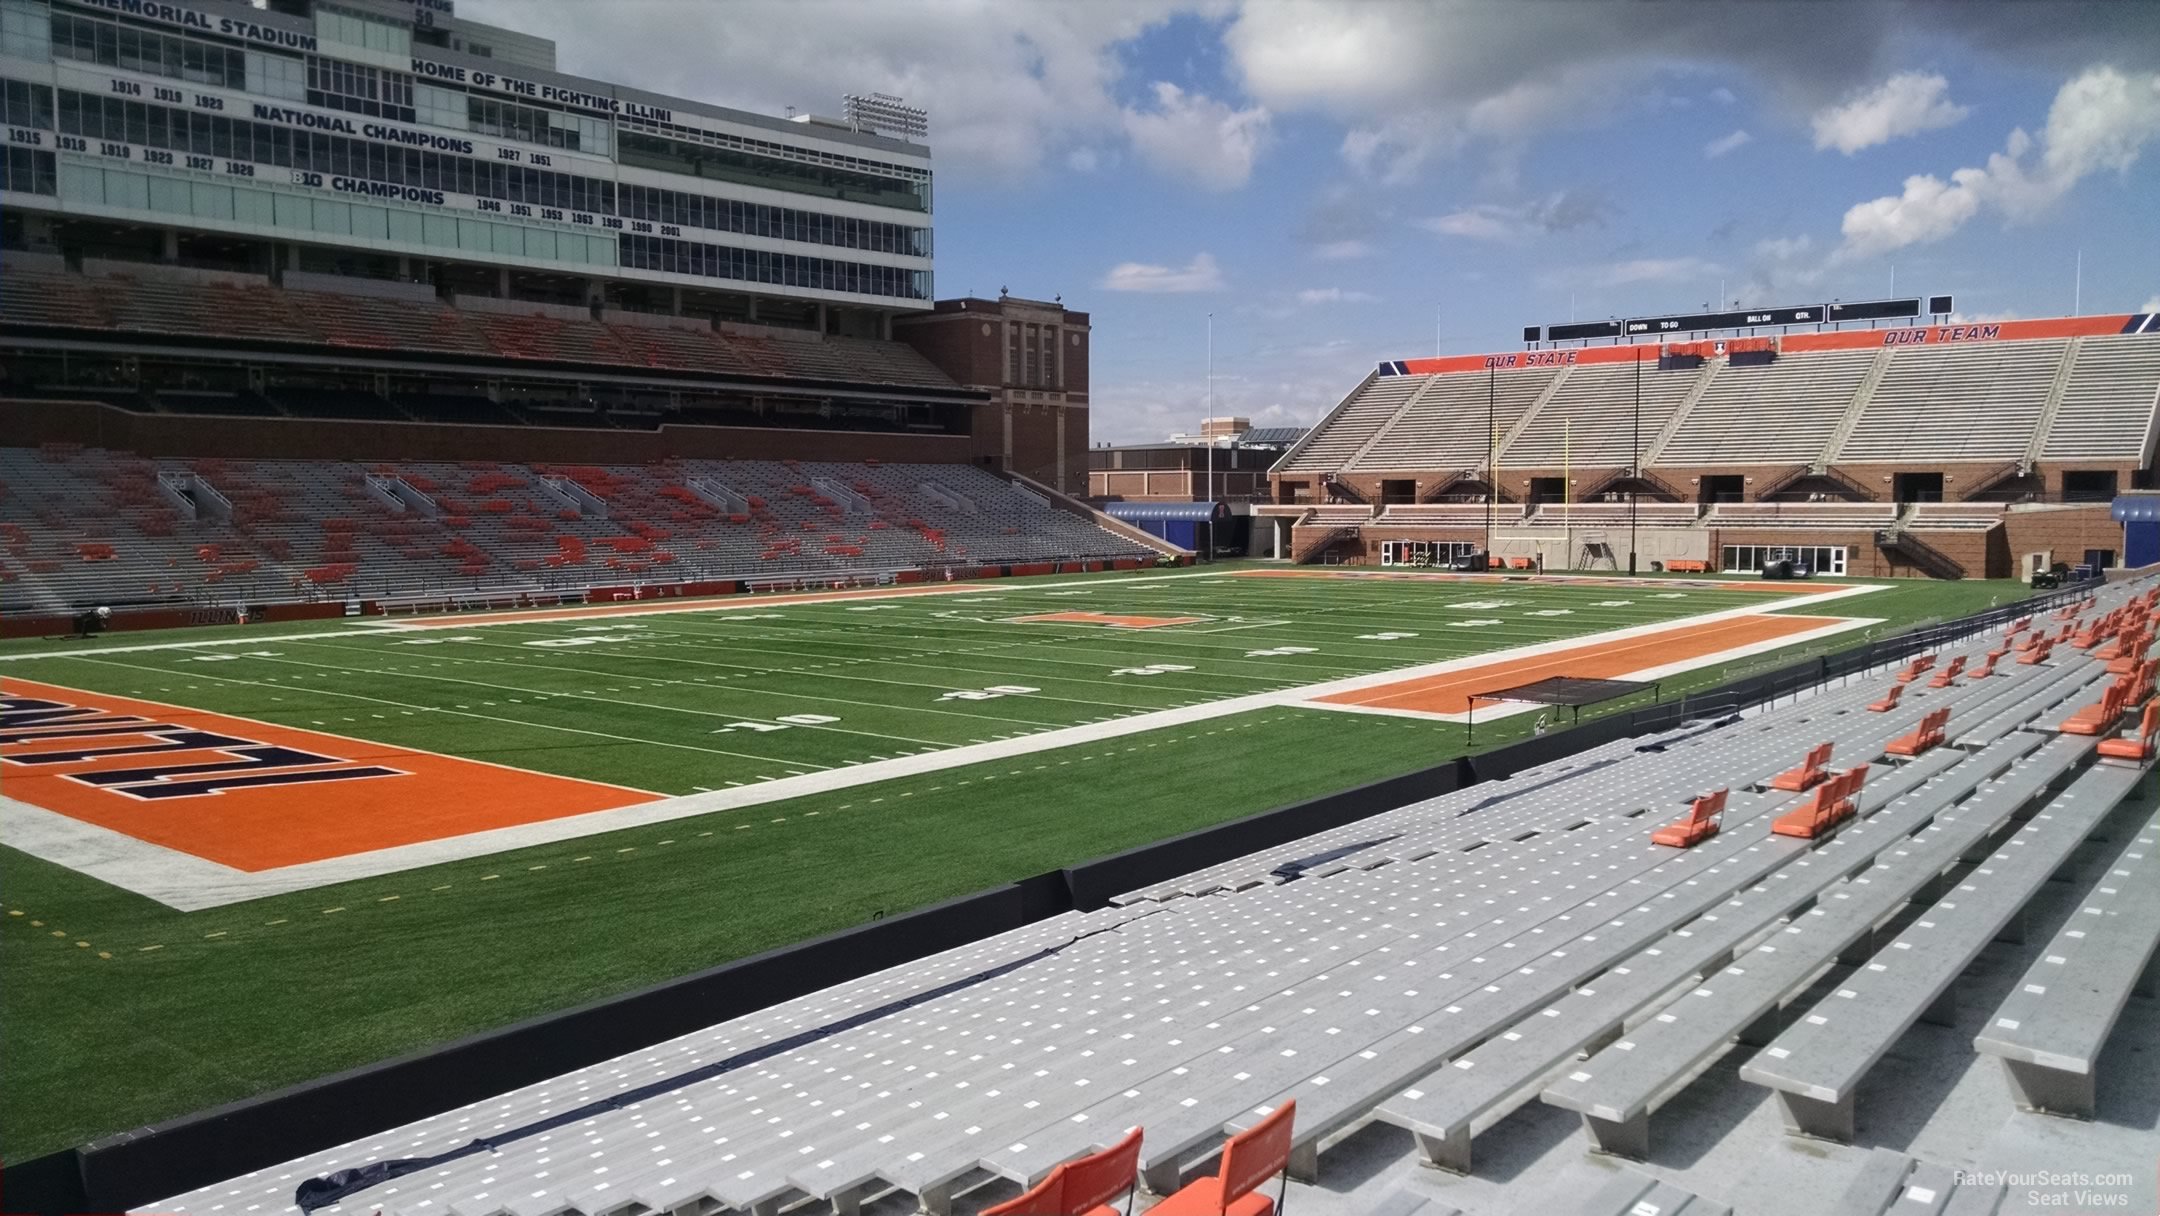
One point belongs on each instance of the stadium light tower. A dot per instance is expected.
(885, 114)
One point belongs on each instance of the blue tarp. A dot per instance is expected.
(1186, 512)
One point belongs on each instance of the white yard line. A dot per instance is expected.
(152, 871)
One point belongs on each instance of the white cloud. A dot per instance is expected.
(1653, 270)
(1722, 95)
(1200, 274)
(1727, 143)
(1906, 104)
(1784, 248)
(1082, 160)
(1413, 82)
(1929, 209)
(1637, 270)
(1561, 212)
(1480, 223)
(1343, 251)
(2151, 304)
(2100, 119)
(1981, 318)
(1333, 295)
(1198, 138)
(1009, 87)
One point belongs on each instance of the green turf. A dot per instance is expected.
(117, 1011)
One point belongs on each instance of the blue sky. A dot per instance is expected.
(1343, 181)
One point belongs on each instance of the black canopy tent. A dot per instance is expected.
(1568, 692)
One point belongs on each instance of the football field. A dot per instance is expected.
(446, 824)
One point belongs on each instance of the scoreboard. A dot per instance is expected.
(1750, 318)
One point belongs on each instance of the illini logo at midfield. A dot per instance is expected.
(144, 758)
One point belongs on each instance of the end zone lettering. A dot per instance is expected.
(183, 762)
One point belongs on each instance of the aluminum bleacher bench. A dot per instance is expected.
(1483, 1085)
(1893, 1184)
(2049, 1031)
(1817, 1064)
(1616, 1090)
(1345, 1091)
(1405, 1203)
(1451, 988)
(1338, 922)
(1628, 1193)
(1341, 1096)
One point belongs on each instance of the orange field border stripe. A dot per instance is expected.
(1450, 692)
(429, 797)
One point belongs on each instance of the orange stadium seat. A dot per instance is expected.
(2136, 745)
(1810, 773)
(2099, 717)
(1248, 1159)
(1083, 1186)
(1889, 702)
(1928, 735)
(1949, 674)
(1831, 805)
(1700, 824)
(1916, 668)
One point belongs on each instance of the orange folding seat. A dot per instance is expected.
(1808, 775)
(2100, 717)
(1700, 825)
(1929, 734)
(1914, 669)
(2035, 656)
(1083, 1186)
(2137, 745)
(1831, 805)
(1888, 703)
(1249, 1158)
(1948, 675)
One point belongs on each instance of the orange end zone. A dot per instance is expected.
(1105, 618)
(1450, 692)
(253, 795)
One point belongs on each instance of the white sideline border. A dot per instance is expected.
(188, 883)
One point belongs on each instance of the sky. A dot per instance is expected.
(1340, 182)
